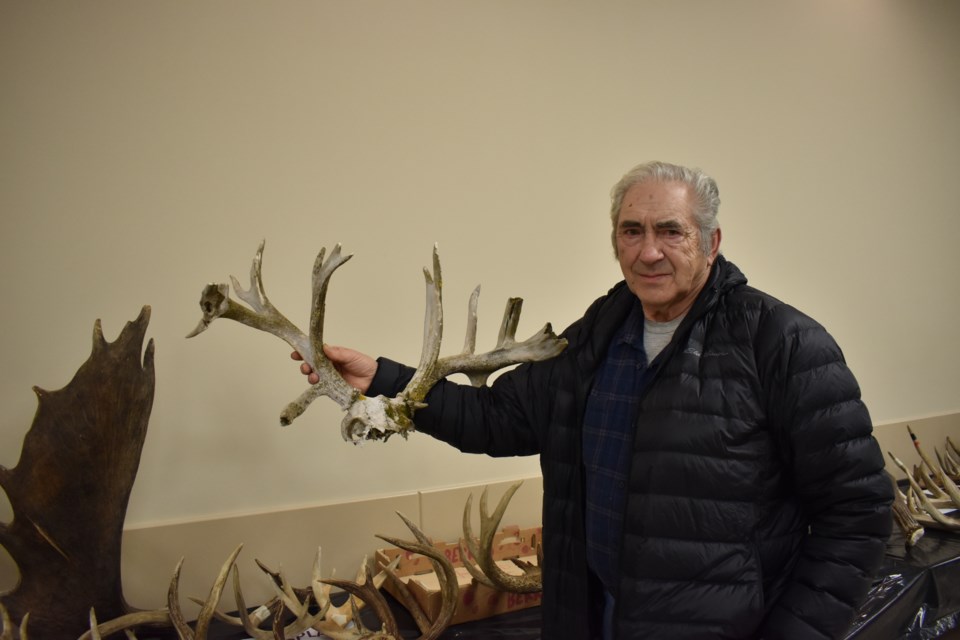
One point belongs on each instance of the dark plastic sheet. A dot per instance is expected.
(917, 595)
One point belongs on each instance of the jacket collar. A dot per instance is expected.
(614, 308)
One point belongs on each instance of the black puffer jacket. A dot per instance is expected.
(757, 505)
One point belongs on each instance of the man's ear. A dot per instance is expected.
(715, 245)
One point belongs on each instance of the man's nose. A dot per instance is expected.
(650, 250)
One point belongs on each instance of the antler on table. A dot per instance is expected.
(927, 510)
(380, 417)
(206, 615)
(369, 593)
(912, 530)
(486, 570)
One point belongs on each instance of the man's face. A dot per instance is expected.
(658, 246)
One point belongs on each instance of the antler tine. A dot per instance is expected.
(427, 371)
(952, 447)
(951, 488)
(6, 631)
(482, 550)
(210, 606)
(173, 604)
(934, 471)
(949, 464)
(246, 620)
(511, 319)
(331, 383)
(379, 418)
(94, 631)
(469, 548)
(256, 294)
(470, 339)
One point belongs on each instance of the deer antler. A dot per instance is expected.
(172, 614)
(365, 590)
(904, 517)
(209, 607)
(374, 418)
(486, 570)
(285, 598)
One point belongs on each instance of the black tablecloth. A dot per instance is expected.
(915, 597)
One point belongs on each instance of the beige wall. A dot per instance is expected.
(146, 148)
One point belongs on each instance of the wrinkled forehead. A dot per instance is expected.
(651, 202)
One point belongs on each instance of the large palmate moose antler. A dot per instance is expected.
(375, 418)
(70, 488)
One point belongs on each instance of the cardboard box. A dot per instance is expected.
(476, 600)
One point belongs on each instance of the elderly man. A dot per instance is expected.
(708, 466)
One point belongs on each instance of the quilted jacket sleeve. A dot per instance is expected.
(838, 475)
(492, 420)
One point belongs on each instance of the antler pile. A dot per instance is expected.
(338, 623)
(933, 491)
(380, 417)
(294, 611)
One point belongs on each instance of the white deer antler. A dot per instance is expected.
(379, 417)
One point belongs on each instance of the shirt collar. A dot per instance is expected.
(631, 332)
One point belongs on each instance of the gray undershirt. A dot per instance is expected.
(657, 335)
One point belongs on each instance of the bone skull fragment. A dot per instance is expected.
(374, 418)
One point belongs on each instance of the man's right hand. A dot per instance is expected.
(356, 368)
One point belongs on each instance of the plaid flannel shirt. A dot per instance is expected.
(608, 425)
